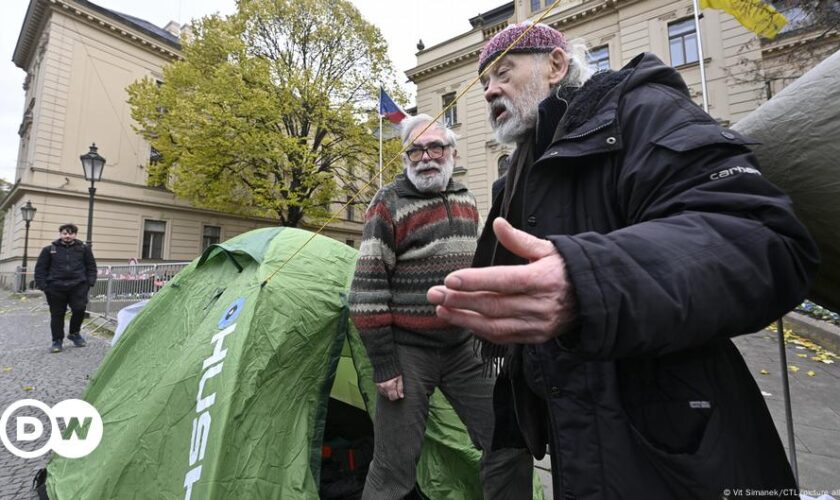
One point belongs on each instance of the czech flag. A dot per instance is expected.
(389, 109)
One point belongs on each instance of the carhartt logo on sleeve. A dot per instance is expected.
(733, 171)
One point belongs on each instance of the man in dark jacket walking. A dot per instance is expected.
(65, 271)
(633, 238)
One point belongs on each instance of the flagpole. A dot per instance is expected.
(700, 54)
(380, 150)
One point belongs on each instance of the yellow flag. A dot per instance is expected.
(755, 15)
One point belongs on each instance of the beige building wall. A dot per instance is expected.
(627, 28)
(78, 63)
(786, 59)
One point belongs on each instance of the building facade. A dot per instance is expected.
(78, 59)
(615, 31)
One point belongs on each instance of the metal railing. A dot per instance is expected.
(116, 286)
(120, 286)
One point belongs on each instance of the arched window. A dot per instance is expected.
(503, 165)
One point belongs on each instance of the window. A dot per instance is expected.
(535, 4)
(599, 58)
(351, 209)
(350, 243)
(154, 156)
(682, 39)
(153, 233)
(212, 236)
(450, 117)
(27, 118)
(796, 17)
(503, 165)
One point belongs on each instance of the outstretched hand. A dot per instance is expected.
(527, 304)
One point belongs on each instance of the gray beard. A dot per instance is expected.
(431, 183)
(522, 113)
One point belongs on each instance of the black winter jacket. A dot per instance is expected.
(674, 243)
(62, 267)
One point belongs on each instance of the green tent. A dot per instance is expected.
(219, 388)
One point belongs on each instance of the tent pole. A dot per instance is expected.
(788, 409)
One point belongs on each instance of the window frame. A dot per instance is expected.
(682, 36)
(537, 5)
(350, 209)
(204, 236)
(450, 117)
(502, 165)
(590, 60)
(150, 246)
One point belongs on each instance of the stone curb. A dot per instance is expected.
(821, 332)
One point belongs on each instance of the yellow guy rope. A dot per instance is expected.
(335, 214)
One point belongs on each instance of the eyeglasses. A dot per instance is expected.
(434, 151)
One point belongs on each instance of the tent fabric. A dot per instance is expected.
(799, 130)
(218, 388)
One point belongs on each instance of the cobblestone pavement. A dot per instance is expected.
(29, 370)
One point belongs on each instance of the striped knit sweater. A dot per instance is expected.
(411, 241)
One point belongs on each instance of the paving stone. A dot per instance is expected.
(29, 371)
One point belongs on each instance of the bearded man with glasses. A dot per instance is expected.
(418, 229)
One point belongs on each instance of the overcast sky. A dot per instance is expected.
(402, 22)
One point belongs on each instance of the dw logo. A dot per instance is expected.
(75, 428)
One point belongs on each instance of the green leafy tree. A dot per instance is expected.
(271, 110)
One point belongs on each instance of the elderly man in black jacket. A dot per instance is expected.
(633, 238)
(65, 271)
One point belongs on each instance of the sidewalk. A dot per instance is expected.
(816, 406)
(29, 370)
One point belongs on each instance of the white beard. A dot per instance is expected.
(521, 111)
(430, 181)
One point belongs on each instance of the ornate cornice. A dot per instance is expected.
(583, 12)
(451, 60)
(561, 20)
(786, 42)
(39, 11)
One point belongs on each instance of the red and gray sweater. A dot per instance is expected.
(411, 241)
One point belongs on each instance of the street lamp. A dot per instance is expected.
(28, 212)
(93, 164)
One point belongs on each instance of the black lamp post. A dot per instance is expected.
(93, 164)
(28, 212)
